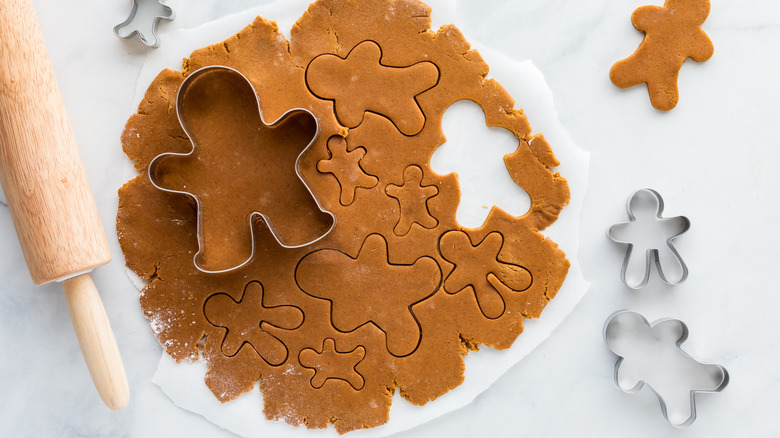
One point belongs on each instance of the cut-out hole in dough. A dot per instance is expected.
(475, 152)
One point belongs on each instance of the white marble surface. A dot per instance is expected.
(713, 158)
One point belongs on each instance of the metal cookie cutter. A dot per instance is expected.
(651, 354)
(644, 225)
(186, 84)
(147, 32)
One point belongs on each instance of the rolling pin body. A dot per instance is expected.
(41, 172)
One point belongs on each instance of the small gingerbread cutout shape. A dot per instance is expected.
(673, 33)
(332, 364)
(344, 164)
(412, 197)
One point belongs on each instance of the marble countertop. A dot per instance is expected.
(713, 158)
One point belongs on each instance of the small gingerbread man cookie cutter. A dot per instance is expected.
(188, 81)
(151, 39)
(654, 342)
(678, 225)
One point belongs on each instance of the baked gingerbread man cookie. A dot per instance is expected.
(672, 34)
(392, 298)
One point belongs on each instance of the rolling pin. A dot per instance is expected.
(49, 197)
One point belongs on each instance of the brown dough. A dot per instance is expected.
(375, 306)
(672, 34)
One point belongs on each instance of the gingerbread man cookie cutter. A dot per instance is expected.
(654, 351)
(215, 71)
(677, 226)
(149, 38)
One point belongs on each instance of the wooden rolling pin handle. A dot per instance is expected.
(97, 341)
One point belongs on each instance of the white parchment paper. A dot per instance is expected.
(183, 382)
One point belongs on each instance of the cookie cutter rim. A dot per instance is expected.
(683, 337)
(255, 214)
(170, 17)
(651, 253)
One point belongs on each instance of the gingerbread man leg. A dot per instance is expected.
(663, 91)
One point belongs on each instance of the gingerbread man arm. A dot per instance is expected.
(643, 17)
(703, 49)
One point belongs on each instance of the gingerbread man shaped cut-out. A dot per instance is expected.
(345, 166)
(368, 288)
(412, 199)
(673, 33)
(479, 266)
(360, 83)
(249, 321)
(483, 172)
(332, 364)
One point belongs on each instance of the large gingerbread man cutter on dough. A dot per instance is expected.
(210, 102)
